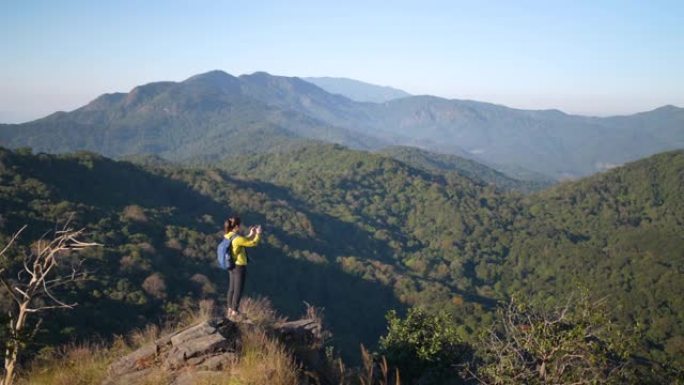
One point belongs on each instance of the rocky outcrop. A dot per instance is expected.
(205, 351)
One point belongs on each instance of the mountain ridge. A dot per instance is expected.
(452, 163)
(191, 118)
(170, 116)
(357, 90)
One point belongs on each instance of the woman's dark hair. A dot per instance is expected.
(231, 223)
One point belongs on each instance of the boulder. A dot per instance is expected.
(140, 359)
(212, 340)
(196, 331)
(137, 377)
(203, 346)
(205, 352)
(302, 332)
(219, 362)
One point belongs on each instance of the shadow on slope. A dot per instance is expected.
(174, 201)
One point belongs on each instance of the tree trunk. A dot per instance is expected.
(14, 345)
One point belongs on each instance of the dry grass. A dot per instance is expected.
(222, 378)
(157, 377)
(85, 364)
(373, 371)
(260, 311)
(72, 365)
(205, 310)
(264, 361)
(144, 336)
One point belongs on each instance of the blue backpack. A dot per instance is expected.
(225, 260)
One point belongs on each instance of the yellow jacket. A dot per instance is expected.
(238, 247)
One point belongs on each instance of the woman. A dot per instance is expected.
(238, 252)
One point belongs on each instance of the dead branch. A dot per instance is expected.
(36, 280)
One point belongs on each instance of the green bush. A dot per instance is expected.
(424, 346)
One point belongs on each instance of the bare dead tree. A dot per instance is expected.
(32, 291)
(575, 344)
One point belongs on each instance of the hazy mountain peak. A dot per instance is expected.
(666, 111)
(265, 79)
(669, 108)
(357, 90)
(146, 92)
(262, 77)
(553, 111)
(215, 75)
(258, 74)
(105, 100)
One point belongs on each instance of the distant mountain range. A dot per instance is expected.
(214, 115)
(357, 90)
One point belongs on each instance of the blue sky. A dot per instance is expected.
(587, 57)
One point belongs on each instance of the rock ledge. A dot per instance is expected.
(204, 351)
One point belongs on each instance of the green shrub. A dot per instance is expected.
(424, 345)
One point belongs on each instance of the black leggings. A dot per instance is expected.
(236, 285)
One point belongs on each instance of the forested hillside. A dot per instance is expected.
(359, 234)
(160, 229)
(618, 234)
(445, 163)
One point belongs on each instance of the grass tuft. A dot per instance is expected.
(260, 311)
(265, 361)
(71, 365)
